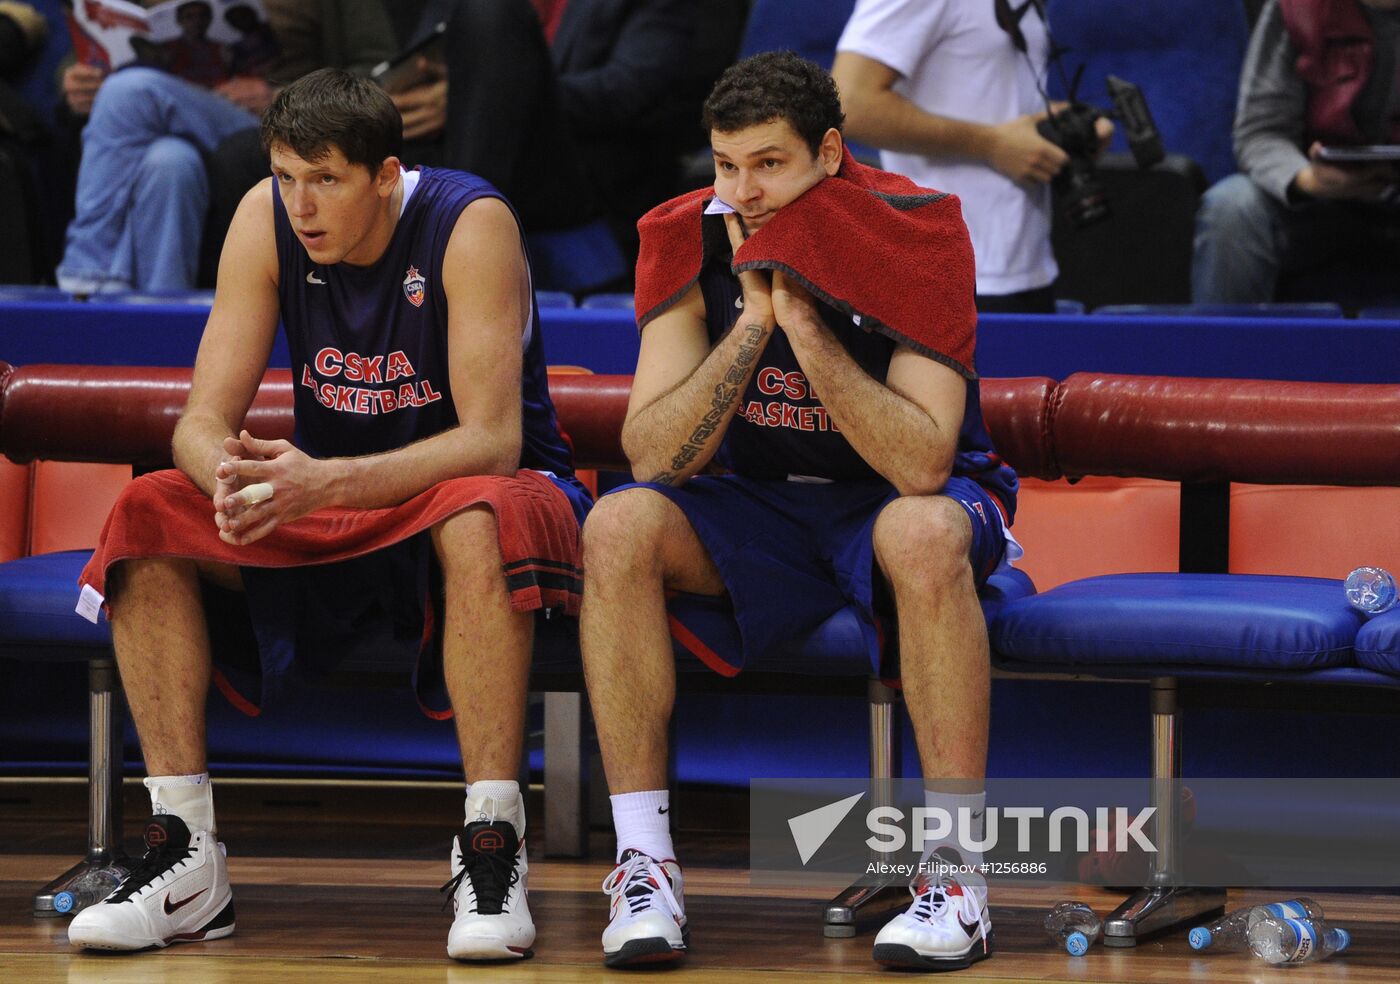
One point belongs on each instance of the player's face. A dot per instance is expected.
(339, 211)
(760, 169)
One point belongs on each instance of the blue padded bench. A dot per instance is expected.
(1204, 632)
(1378, 644)
(1239, 621)
(123, 414)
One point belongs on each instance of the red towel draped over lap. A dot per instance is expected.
(164, 514)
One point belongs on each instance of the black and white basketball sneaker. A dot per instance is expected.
(177, 893)
(489, 872)
(646, 921)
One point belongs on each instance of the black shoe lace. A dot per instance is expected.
(492, 879)
(154, 863)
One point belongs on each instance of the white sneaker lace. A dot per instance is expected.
(640, 871)
(933, 900)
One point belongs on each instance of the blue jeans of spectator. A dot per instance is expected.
(142, 188)
(1246, 240)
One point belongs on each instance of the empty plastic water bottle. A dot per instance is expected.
(1073, 925)
(92, 886)
(1295, 941)
(1371, 590)
(1231, 931)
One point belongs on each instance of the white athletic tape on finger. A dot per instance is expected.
(254, 494)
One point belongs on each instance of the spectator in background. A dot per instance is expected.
(1318, 72)
(23, 32)
(143, 188)
(192, 55)
(257, 50)
(939, 86)
(551, 100)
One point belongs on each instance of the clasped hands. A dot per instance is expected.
(260, 485)
(781, 301)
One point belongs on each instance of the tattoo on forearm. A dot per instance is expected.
(725, 395)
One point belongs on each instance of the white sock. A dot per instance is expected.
(496, 799)
(643, 823)
(974, 806)
(191, 798)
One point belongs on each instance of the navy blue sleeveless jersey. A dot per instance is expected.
(369, 343)
(781, 428)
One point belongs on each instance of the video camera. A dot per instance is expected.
(1077, 185)
(1072, 129)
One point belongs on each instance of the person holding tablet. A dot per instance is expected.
(1320, 76)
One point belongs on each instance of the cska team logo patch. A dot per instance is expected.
(413, 287)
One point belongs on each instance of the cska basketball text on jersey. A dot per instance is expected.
(378, 369)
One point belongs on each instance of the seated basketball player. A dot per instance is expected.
(807, 325)
(429, 485)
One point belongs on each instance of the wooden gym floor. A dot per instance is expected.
(337, 882)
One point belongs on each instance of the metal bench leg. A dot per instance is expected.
(886, 748)
(565, 777)
(1160, 906)
(104, 791)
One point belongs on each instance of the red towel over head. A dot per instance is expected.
(871, 244)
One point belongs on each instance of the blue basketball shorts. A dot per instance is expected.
(792, 554)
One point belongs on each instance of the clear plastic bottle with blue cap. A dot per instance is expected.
(1073, 925)
(1371, 590)
(1294, 941)
(91, 887)
(1231, 931)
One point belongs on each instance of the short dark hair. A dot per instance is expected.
(776, 85)
(332, 108)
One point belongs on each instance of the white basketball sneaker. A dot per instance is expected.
(177, 893)
(489, 871)
(646, 922)
(946, 928)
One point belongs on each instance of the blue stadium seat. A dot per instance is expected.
(608, 302)
(576, 260)
(1277, 309)
(554, 299)
(808, 27)
(1380, 313)
(1065, 305)
(1184, 54)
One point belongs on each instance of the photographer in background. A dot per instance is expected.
(1318, 72)
(953, 103)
